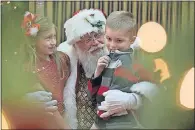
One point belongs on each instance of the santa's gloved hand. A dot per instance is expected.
(39, 96)
(51, 106)
(43, 99)
(106, 110)
(117, 102)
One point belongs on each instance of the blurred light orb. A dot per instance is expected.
(153, 37)
(161, 65)
(4, 122)
(186, 95)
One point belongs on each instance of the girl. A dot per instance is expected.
(49, 67)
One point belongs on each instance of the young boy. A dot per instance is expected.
(118, 70)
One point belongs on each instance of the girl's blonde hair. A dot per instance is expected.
(30, 57)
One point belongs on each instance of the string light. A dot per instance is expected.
(40, 2)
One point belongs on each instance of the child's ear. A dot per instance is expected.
(132, 39)
(133, 35)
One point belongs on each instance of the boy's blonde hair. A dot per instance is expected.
(121, 20)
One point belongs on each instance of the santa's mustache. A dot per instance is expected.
(95, 48)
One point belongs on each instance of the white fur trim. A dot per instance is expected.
(136, 44)
(69, 90)
(149, 90)
(138, 99)
(77, 26)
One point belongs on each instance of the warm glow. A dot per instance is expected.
(4, 122)
(161, 65)
(187, 90)
(153, 37)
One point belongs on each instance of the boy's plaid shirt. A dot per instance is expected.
(121, 74)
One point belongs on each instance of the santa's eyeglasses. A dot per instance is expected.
(91, 37)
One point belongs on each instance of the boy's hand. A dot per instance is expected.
(102, 63)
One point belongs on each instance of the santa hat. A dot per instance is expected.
(83, 22)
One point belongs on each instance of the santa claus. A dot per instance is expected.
(85, 45)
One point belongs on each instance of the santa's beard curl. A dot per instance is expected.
(89, 61)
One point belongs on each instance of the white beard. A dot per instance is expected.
(89, 61)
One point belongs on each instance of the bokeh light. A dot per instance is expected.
(153, 37)
(4, 122)
(161, 65)
(186, 93)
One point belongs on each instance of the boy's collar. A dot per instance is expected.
(129, 50)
